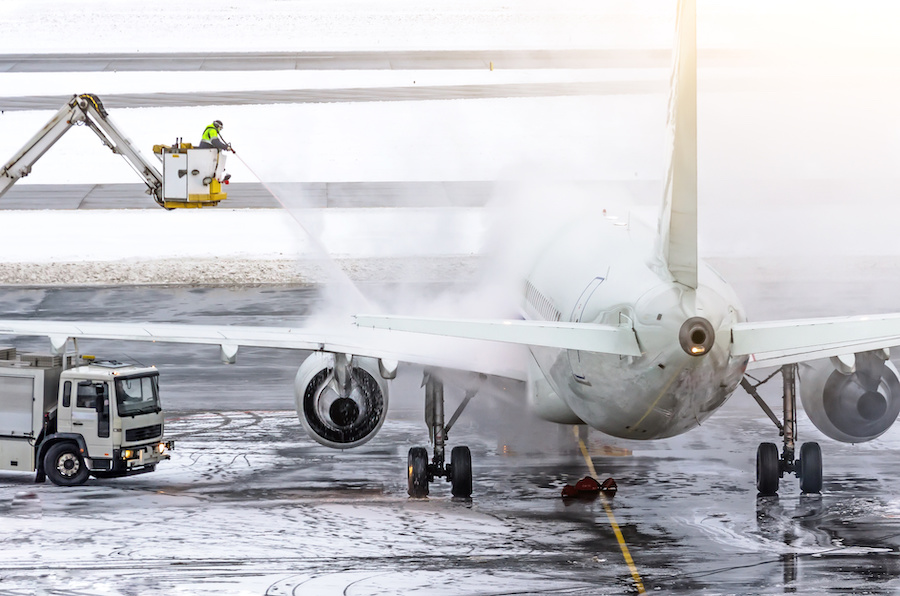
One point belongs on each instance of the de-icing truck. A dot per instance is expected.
(68, 417)
(190, 178)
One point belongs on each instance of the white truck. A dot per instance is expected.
(67, 417)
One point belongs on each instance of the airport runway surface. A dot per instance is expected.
(360, 60)
(249, 505)
(356, 94)
(352, 60)
(367, 60)
(306, 195)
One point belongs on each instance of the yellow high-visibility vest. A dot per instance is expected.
(210, 133)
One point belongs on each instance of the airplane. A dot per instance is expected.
(637, 339)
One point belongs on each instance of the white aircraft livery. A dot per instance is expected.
(636, 339)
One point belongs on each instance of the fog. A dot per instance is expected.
(799, 136)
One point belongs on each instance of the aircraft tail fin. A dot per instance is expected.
(677, 235)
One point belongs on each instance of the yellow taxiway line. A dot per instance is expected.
(612, 518)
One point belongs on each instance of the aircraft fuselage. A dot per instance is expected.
(596, 272)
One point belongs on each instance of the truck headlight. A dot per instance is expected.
(161, 447)
(127, 454)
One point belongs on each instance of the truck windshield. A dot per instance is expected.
(138, 395)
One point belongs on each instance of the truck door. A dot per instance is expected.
(91, 417)
(64, 413)
(175, 176)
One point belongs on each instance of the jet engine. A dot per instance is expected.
(341, 400)
(852, 399)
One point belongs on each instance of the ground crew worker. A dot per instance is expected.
(211, 138)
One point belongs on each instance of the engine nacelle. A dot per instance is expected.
(852, 400)
(336, 414)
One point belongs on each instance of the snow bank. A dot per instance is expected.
(238, 246)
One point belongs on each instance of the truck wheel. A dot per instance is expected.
(64, 466)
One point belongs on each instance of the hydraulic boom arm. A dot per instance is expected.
(82, 109)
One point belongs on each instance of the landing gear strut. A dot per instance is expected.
(459, 471)
(770, 467)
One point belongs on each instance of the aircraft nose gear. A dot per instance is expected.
(770, 467)
(459, 471)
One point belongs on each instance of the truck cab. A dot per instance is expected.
(88, 417)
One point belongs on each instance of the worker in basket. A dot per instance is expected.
(211, 138)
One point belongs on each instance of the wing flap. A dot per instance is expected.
(783, 342)
(606, 339)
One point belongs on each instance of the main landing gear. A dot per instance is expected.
(770, 467)
(459, 471)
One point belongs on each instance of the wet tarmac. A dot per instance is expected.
(250, 505)
(307, 195)
(359, 60)
(364, 94)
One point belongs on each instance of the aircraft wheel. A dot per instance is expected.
(461, 472)
(417, 472)
(64, 466)
(767, 469)
(810, 468)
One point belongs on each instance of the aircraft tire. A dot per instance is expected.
(767, 469)
(461, 472)
(810, 468)
(417, 473)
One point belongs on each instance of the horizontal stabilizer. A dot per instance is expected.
(607, 339)
(783, 342)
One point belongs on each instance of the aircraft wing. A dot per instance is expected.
(783, 342)
(442, 352)
(498, 349)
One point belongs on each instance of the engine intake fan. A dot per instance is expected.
(855, 403)
(341, 403)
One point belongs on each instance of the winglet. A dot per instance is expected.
(677, 235)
